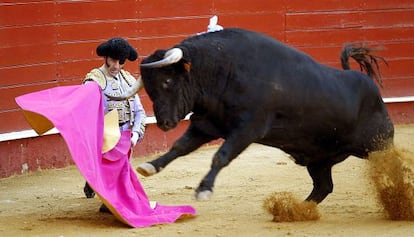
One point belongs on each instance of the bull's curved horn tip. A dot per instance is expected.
(171, 56)
(174, 54)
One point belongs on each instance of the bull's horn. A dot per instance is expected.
(130, 92)
(171, 56)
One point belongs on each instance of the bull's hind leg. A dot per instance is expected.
(321, 174)
(190, 141)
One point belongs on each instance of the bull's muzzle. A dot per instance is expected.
(166, 125)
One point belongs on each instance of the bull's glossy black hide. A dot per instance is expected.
(246, 88)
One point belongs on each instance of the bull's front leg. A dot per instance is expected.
(229, 150)
(188, 142)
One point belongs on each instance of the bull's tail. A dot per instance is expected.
(366, 60)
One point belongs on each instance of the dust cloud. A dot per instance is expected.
(392, 174)
(285, 207)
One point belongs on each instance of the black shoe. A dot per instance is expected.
(89, 193)
(104, 209)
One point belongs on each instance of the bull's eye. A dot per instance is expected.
(167, 83)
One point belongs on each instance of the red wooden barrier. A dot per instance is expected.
(44, 44)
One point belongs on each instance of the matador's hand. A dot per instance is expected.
(134, 138)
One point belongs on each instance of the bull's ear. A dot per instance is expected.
(187, 66)
(186, 60)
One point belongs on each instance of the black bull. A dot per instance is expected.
(248, 88)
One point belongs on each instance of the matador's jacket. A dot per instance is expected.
(131, 113)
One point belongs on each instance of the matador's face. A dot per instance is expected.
(113, 66)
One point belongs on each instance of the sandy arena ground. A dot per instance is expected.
(51, 202)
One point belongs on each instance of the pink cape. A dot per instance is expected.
(77, 112)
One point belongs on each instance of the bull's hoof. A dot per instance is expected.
(146, 169)
(203, 195)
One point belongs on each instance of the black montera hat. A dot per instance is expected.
(117, 48)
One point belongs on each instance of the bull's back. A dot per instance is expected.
(327, 108)
(255, 62)
(310, 106)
